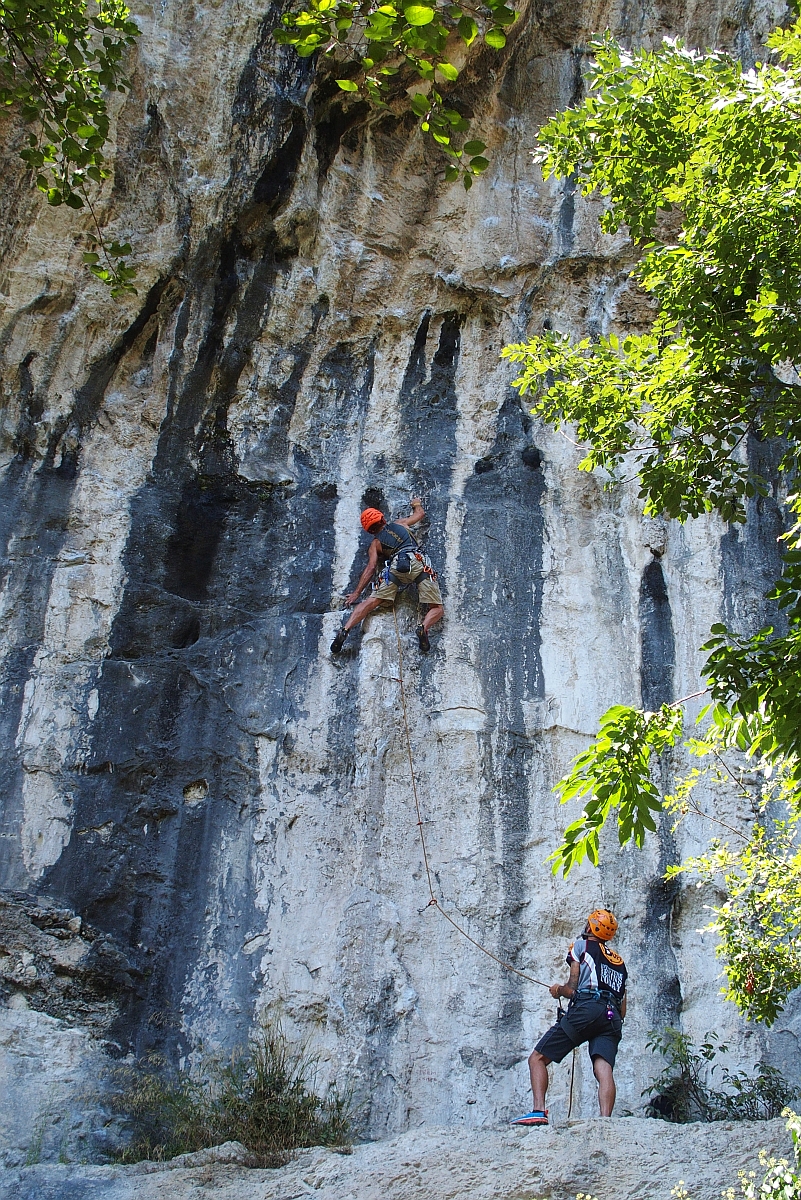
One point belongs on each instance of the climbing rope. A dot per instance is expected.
(507, 966)
(572, 1073)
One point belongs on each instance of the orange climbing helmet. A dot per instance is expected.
(370, 517)
(602, 924)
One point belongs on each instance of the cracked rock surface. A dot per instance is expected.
(52, 962)
(612, 1160)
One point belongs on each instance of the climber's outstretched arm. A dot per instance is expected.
(418, 512)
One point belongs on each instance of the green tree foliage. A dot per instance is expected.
(59, 59)
(402, 52)
(672, 129)
(700, 160)
(615, 773)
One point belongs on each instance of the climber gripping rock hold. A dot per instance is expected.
(596, 989)
(394, 561)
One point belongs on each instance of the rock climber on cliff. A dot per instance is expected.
(596, 990)
(394, 561)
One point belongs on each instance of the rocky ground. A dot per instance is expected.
(627, 1159)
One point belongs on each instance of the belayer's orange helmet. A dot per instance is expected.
(602, 924)
(370, 517)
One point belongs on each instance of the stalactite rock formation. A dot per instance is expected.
(185, 767)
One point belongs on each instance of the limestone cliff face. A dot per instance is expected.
(317, 327)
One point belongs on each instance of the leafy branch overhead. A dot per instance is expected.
(59, 60)
(397, 50)
(673, 129)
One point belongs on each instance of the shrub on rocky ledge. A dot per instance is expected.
(260, 1097)
(681, 1092)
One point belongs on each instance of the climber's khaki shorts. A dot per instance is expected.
(427, 588)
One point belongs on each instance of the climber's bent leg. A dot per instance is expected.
(428, 593)
(435, 613)
(359, 613)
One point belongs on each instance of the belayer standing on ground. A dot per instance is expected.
(393, 561)
(596, 990)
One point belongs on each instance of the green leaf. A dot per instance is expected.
(448, 70)
(474, 147)
(452, 174)
(478, 165)
(467, 30)
(347, 85)
(495, 38)
(419, 14)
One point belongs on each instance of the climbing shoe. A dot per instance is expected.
(339, 641)
(422, 638)
(538, 1117)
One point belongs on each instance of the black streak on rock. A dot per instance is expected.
(658, 652)
(658, 656)
(36, 512)
(500, 561)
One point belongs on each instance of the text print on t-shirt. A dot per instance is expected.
(611, 979)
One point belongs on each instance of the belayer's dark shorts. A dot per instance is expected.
(584, 1021)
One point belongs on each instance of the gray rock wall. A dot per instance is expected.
(317, 328)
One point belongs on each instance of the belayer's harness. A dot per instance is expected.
(602, 995)
(400, 548)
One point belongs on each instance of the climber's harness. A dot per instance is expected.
(400, 549)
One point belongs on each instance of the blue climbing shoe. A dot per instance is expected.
(539, 1116)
